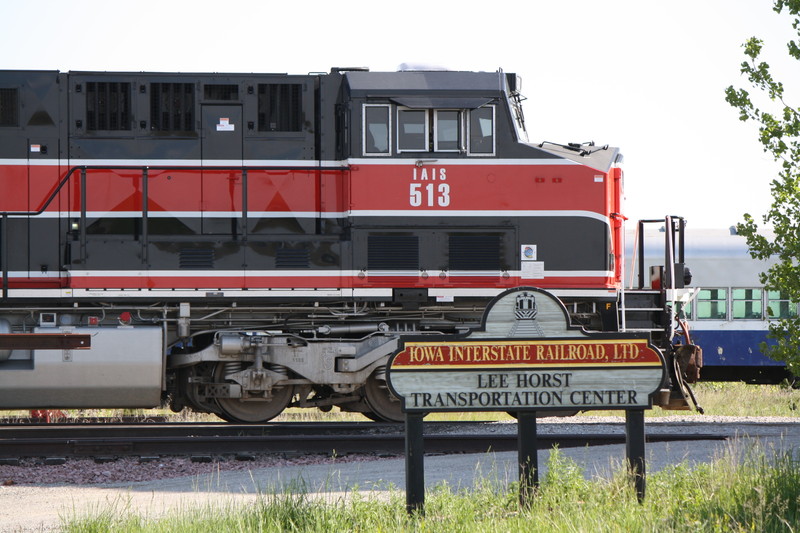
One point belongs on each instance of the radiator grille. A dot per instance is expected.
(475, 252)
(292, 258)
(196, 258)
(393, 252)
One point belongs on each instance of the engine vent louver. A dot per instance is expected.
(172, 107)
(196, 258)
(393, 252)
(475, 252)
(280, 107)
(9, 107)
(292, 258)
(216, 91)
(108, 106)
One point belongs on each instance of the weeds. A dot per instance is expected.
(750, 490)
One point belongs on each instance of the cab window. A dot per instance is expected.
(481, 131)
(448, 131)
(464, 131)
(377, 128)
(412, 130)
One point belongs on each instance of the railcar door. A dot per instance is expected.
(45, 168)
(13, 182)
(30, 166)
(222, 173)
(223, 185)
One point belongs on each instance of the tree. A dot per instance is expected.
(779, 133)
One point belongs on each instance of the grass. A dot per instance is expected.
(734, 399)
(741, 491)
(720, 399)
(716, 398)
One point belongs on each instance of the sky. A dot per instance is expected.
(646, 76)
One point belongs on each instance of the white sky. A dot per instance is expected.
(646, 76)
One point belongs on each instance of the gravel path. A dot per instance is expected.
(34, 497)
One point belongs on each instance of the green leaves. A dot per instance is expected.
(740, 98)
(779, 134)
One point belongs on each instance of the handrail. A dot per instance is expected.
(74, 169)
(145, 170)
(672, 225)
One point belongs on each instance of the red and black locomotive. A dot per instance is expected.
(239, 243)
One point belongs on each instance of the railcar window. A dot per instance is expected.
(9, 107)
(712, 304)
(108, 106)
(481, 130)
(746, 303)
(412, 130)
(779, 305)
(447, 127)
(377, 125)
(172, 107)
(280, 107)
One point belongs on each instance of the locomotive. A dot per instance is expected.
(240, 243)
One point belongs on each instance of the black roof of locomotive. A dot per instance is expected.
(363, 84)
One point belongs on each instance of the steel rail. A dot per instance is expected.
(193, 445)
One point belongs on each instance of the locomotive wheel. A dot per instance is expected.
(384, 406)
(253, 411)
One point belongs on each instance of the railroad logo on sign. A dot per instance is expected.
(526, 356)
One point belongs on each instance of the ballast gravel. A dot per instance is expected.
(132, 470)
(35, 496)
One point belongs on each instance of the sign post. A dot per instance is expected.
(526, 358)
(528, 456)
(634, 449)
(415, 464)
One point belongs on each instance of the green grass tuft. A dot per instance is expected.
(750, 490)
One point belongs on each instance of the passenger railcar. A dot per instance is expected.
(238, 243)
(730, 313)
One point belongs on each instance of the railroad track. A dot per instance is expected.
(203, 441)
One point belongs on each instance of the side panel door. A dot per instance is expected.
(222, 187)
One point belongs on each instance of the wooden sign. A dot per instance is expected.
(526, 356)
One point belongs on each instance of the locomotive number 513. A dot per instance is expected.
(429, 194)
